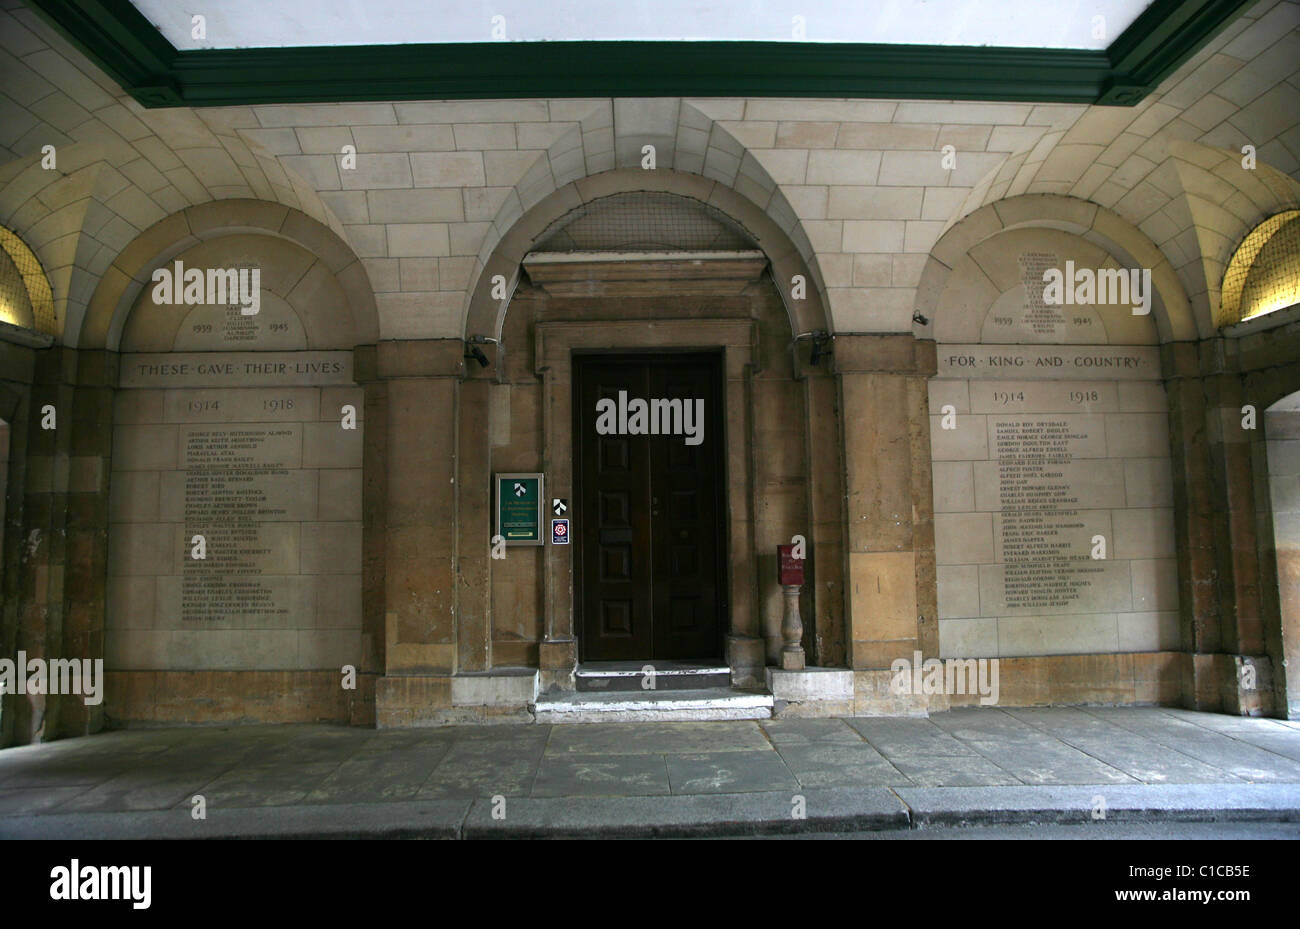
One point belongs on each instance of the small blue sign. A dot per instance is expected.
(559, 532)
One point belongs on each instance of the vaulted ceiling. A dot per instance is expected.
(855, 184)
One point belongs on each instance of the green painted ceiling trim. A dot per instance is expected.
(1167, 34)
(117, 37)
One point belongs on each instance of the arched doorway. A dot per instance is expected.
(659, 296)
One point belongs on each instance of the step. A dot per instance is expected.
(653, 706)
(633, 676)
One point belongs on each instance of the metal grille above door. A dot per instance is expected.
(644, 221)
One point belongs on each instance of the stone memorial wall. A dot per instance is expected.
(249, 451)
(1039, 452)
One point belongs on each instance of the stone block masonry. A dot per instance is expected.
(270, 477)
(1053, 499)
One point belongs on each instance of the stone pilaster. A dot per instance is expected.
(825, 636)
(473, 521)
(1234, 627)
(374, 508)
(420, 512)
(56, 533)
(90, 444)
(892, 601)
(17, 370)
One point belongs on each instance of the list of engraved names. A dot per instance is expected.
(231, 490)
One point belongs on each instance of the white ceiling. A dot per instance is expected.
(281, 23)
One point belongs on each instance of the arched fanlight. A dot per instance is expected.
(25, 296)
(1264, 273)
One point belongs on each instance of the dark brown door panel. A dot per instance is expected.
(650, 553)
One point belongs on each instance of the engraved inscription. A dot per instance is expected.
(235, 482)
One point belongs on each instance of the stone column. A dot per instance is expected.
(17, 573)
(792, 657)
(1271, 362)
(474, 521)
(374, 525)
(1198, 596)
(56, 530)
(1219, 474)
(420, 533)
(746, 642)
(90, 444)
(892, 602)
(824, 633)
(558, 651)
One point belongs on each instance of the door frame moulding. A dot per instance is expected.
(554, 346)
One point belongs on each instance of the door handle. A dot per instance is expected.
(654, 506)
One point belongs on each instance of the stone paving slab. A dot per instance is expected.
(908, 736)
(658, 738)
(834, 764)
(601, 775)
(431, 819)
(953, 771)
(981, 762)
(729, 773)
(689, 816)
(1138, 802)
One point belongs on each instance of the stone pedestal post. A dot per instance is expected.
(792, 630)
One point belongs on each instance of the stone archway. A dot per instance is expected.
(486, 314)
(122, 283)
(1049, 434)
(235, 576)
(769, 390)
(1102, 227)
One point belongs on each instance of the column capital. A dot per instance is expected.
(410, 358)
(884, 353)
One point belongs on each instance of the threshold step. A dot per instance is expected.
(653, 706)
(651, 676)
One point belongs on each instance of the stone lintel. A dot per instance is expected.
(580, 274)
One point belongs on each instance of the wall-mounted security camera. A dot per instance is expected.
(821, 342)
(472, 349)
(920, 320)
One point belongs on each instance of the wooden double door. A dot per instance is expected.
(650, 559)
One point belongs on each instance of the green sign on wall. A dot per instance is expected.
(519, 508)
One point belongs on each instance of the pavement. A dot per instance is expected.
(968, 768)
